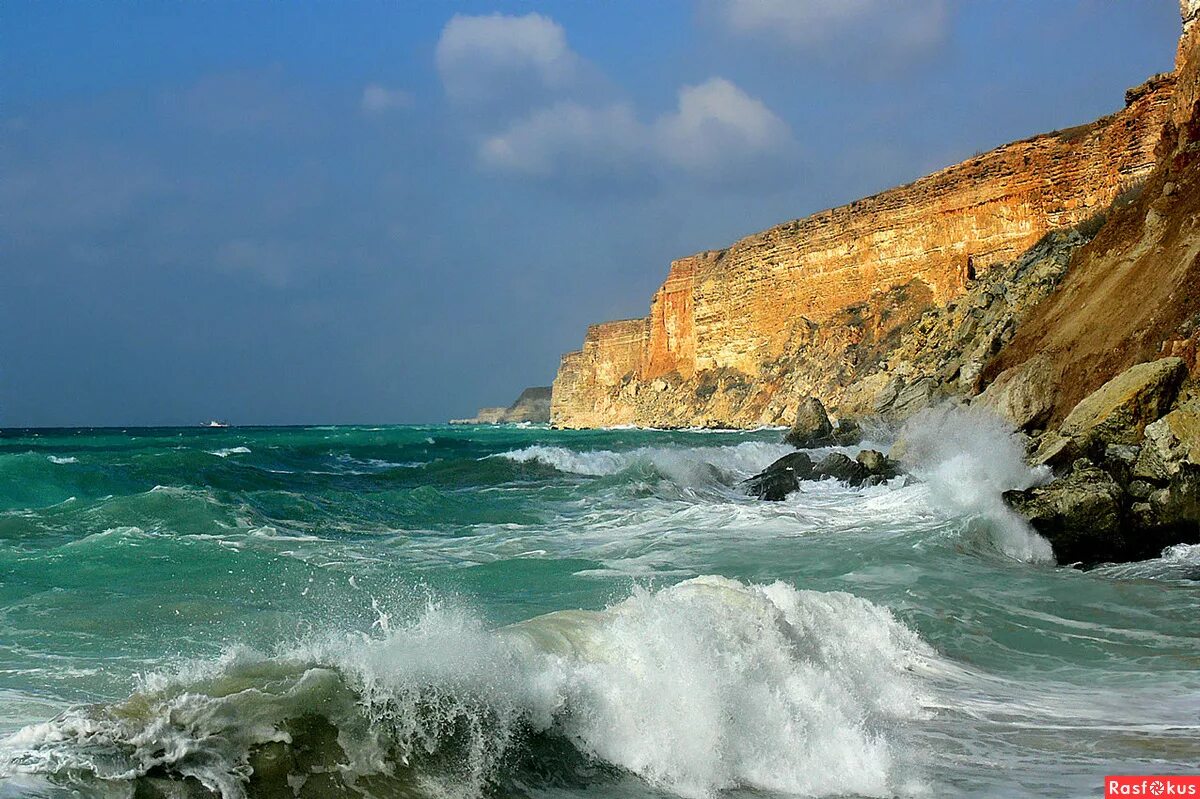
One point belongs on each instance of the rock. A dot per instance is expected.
(1023, 394)
(796, 308)
(784, 475)
(532, 406)
(1171, 443)
(781, 478)
(812, 427)
(1117, 412)
(1119, 460)
(1139, 489)
(878, 465)
(1166, 516)
(1080, 514)
(847, 433)
(841, 467)
(922, 393)
(1088, 518)
(1053, 450)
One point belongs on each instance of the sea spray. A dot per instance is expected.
(969, 458)
(682, 465)
(708, 685)
(1046, 677)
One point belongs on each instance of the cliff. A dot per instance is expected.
(532, 406)
(819, 305)
(1133, 293)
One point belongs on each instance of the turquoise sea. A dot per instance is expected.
(432, 611)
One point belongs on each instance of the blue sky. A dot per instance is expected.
(396, 211)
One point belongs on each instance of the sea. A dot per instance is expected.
(519, 611)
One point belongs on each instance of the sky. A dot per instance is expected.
(374, 212)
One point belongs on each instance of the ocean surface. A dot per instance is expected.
(523, 612)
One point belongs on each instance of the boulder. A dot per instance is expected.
(878, 465)
(1080, 514)
(1116, 413)
(847, 433)
(1163, 516)
(1024, 394)
(903, 399)
(1172, 443)
(1119, 460)
(841, 467)
(781, 478)
(812, 427)
(784, 475)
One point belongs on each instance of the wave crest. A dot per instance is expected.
(684, 465)
(704, 686)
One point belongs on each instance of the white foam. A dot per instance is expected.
(702, 687)
(1176, 562)
(969, 458)
(225, 453)
(60, 460)
(687, 465)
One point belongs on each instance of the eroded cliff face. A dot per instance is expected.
(1132, 294)
(818, 305)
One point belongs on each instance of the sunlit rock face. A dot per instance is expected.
(1133, 293)
(733, 335)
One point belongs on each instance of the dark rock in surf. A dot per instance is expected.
(784, 475)
(847, 433)
(812, 427)
(781, 478)
(1080, 514)
(841, 467)
(880, 468)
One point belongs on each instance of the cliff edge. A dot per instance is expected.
(849, 304)
(1133, 293)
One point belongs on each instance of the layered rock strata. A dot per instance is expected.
(734, 337)
(1133, 293)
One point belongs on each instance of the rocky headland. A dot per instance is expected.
(1053, 282)
(532, 406)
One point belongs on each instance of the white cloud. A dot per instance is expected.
(880, 29)
(716, 128)
(480, 56)
(569, 137)
(377, 98)
(715, 122)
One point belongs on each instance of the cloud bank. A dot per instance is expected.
(481, 57)
(715, 131)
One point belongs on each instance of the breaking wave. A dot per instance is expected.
(698, 688)
(1177, 562)
(968, 458)
(686, 464)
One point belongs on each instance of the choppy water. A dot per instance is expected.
(436, 611)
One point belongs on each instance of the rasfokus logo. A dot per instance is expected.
(1152, 786)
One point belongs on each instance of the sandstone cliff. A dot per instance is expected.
(844, 304)
(1132, 294)
(532, 406)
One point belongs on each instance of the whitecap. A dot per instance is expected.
(225, 453)
(702, 687)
